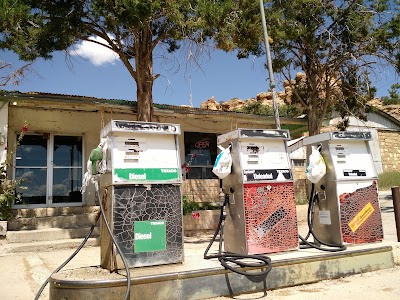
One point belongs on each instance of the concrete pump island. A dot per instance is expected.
(262, 240)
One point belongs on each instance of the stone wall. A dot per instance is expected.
(201, 190)
(389, 143)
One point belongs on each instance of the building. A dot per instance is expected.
(62, 130)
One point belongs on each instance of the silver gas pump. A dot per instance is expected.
(347, 209)
(261, 214)
(142, 194)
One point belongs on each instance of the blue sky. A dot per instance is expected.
(96, 73)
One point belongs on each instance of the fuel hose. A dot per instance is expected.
(230, 261)
(317, 244)
(101, 212)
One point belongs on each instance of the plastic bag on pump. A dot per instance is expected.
(316, 168)
(223, 163)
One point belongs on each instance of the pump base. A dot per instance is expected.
(200, 279)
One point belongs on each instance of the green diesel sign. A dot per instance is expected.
(147, 174)
(149, 236)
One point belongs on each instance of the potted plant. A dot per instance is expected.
(199, 217)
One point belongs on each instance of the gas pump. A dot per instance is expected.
(142, 194)
(261, 210)
(347, 209)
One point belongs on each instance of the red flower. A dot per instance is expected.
(187, 169)
(25, 128)
(184, 165)
(195, 155)
(196, 215)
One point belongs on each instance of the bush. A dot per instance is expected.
(190, 206)
(387, 180)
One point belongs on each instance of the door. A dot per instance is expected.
(51, 169)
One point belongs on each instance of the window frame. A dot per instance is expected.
(50, 173)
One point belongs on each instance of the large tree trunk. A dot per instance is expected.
(314, 122)
(144, 78)
(145, 98)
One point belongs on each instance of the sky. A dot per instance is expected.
(94, 71)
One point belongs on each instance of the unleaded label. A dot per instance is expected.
(267, 174)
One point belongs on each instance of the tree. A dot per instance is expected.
(394, 97)
(133, 29)
(336, 45)
(8, 75)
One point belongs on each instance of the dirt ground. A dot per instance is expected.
(382, 285)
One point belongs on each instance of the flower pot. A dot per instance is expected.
(201, 222)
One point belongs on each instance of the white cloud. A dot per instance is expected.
(96, 54)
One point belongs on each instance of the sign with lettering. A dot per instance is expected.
(267, 174)
(149, 236)
(146, 174)
(354, 173)
(361, 217)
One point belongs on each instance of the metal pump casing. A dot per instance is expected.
(142, 191)
(261, 215)
(348, 209)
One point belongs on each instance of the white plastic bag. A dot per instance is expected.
(316, 168)
(223, 163)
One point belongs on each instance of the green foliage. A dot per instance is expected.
(394, 97)
(335, 44)
(133, 29)
(387, 180)
(191, 206)
(257, 108)
(301, 197)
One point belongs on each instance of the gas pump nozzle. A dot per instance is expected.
(96, 156)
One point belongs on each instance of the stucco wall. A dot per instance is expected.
(3, 130)
(85, 124)
(389, 142)
(60, 120)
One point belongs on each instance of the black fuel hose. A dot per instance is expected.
(227, 259)
(317, 244)
(101, 212)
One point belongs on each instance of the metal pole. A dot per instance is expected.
(269, 63)
(396, 206)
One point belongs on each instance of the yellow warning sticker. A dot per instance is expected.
(361, 217)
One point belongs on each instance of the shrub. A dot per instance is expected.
(387, 180)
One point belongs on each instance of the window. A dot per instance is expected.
(52, 169)
(298, 162)
(200, 154)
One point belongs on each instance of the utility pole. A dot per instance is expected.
(269, 64)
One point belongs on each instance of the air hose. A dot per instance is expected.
(317, 244)
(101, 212)
(228, 260)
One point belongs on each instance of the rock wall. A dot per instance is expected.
(389, 143)
(201, 190)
